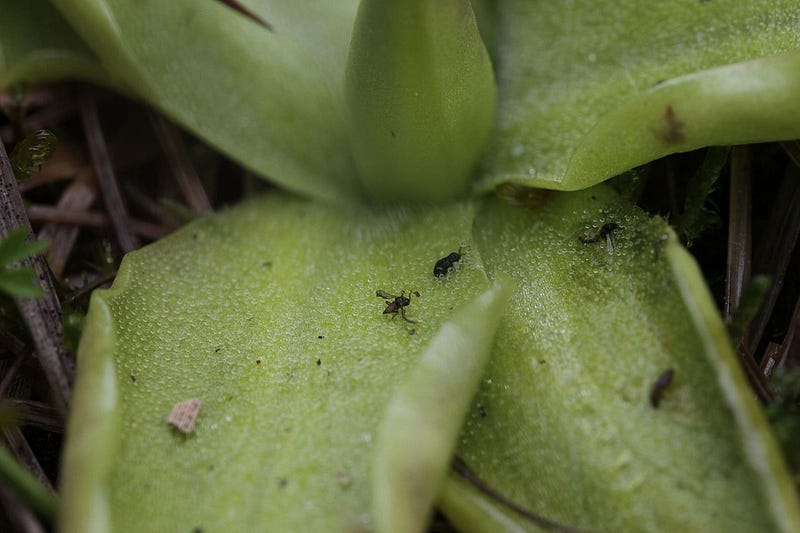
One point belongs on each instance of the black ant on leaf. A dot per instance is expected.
(397, 304)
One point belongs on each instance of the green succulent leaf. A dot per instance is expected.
(576, 423)
(268, 315)
(759, 447)
(272, 99)
(588, 90)
(421, 97)
(37, 45)
(313, 397)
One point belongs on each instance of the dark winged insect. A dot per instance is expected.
(661, 383)
(602, 233)
(397, 304)
(446, 264)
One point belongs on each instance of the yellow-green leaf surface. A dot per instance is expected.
(588, 89)
(268, 315)
(563, 424)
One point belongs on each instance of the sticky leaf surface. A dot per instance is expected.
(268, 315)
(564, 424)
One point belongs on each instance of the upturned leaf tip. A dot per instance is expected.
(420, 97)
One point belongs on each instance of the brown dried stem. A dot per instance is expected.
(41, 315)
(774, 252)
(92, 219)
(105, 174)
(183, 170)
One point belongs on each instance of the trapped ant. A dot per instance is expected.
(397, 304)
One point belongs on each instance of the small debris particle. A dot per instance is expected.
(542, 361)
(133, 378)
(198, 529)
(343, 479)
(282, 482)
(258, 361)
(320, 336)
(267, 264)
(216, 350)
(319, 362)
(659, 386)
(184, 415)
(481, 410)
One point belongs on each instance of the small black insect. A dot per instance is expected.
(397, 304)
(446, 264)
(661, 383)
(602, 233)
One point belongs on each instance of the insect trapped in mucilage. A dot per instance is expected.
(445, 265)
(397, 304)
(602, 233)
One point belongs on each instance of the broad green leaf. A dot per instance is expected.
(420, 97)
(273, 100)
(563, 424)
(267, 314)
(37, 45)
(759, 447)
(590, 89)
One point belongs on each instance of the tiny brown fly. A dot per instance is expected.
(397, 304)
